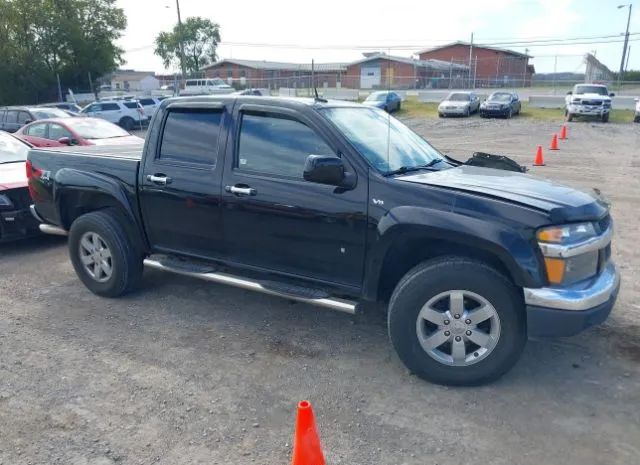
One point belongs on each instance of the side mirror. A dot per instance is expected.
(612, 94)
(324, 170)
(67, 141)
(570, 93)
(28, 121)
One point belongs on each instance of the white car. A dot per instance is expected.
(206, 86)
(460, 104)
(636, 117)
(590, 100)
(126, 113)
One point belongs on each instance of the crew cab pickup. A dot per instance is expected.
(588, 100)
(337, 204)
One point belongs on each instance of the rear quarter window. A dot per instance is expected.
(191, 136)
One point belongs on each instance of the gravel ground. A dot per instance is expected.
(186, 372)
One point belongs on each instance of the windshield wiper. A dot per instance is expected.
(407, 169)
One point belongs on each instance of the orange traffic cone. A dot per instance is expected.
(563, 132)
(539, 161)
(306, 442)
(554, 142)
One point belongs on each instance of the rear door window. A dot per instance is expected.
(37, 130)
(12, 117)
(147, 101)
(191, 136)
(110, 107)
(24, 117)
(57, 131)
(131, 105)
(275, 144)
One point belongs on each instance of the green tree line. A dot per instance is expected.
(40, 39)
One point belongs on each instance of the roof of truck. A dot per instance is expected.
(293, 102)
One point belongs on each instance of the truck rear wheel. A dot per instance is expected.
(457, 321)
(103, 255)
(127, 123)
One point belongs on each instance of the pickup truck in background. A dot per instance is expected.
(336, 204)
(589, 100)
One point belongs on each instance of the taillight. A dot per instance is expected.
(32, 172)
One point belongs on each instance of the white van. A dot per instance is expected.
(206, 86)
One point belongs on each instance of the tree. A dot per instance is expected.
(200, 38)
(42, 38)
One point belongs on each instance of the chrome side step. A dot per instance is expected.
(255, 285)
(54, 230)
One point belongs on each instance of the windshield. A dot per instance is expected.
(383, 140)
(89, 128)
(377, 97)
(458, 97)
(11, 149)
(45, 113)
(591, 90)
(502, 97)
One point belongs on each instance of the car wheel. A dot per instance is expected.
(636, 119)
(509, 113)
(399, 106)
(127, 123)
(457, 321)
(441, 115)
(605, 118)
(103, 255)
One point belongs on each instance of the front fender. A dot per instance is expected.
(511, 246)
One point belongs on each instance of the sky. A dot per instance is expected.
(341, 30)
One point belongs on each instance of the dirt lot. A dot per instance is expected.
(185, 372)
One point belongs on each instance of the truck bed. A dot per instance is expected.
(65, 165)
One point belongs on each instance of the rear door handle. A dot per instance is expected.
(244, 190)
(159, 179)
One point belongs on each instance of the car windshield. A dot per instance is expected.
(11, 149)
(459, 97)
(377, 97)
(502, 97)
(591, 90)
(383, 140)
(45, 113)
(90, 128)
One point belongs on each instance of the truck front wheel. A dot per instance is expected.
(103, 255)
(457, 321)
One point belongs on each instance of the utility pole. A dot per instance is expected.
(626, 42)
(526, 63)
(555, 71)
(182, 65)
(470, 57)
(95, 94)
(59, 89)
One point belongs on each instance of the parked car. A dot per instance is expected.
(505, 104)
(636, 116)
(75, 131)
(588, 100)
(310, 200)
(385, 100)
(206, 87)
(459, 104)
(13, 118)
(74, 108)
(15, 219)
(125, 113)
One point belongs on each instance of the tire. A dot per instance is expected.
(636, 119)
(467, 112)
(127, 123)
(605, 118)
(125, 259)
(476, 281)
(569, 116)
(509, 113)
(440, 115)
(399, 106)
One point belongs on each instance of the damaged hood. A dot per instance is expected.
(563, 203)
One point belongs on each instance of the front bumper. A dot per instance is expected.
(17, 224)
(587, 110)
(494, 111)
(453, 111)
(568, 310)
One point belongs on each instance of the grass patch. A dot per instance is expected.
(412, 108)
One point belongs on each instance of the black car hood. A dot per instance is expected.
(563, 203)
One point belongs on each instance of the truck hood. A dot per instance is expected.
(592, 96)
(563, 203)
(12, 175)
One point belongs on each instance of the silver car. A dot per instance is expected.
(459, 104)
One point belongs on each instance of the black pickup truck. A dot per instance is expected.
(336, 204)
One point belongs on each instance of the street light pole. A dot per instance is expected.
(626, 42)
(182, 65)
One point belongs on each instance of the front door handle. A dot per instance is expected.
(159, 179)
(241, 190)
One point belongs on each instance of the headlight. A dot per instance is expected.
(5, 201)
(564, 260)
